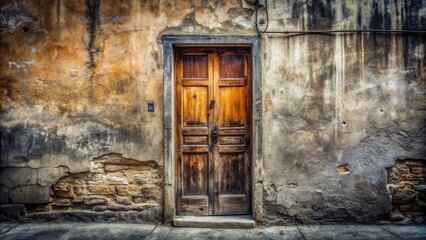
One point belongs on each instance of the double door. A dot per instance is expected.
(212, 145)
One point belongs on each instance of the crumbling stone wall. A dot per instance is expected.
(407, 185)
(113, 183)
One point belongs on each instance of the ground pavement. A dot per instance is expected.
(122, 231)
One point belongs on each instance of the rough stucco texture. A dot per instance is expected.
(76, 77)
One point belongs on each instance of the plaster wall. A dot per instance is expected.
(338, 109)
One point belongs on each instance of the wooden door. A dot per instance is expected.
(213, 109)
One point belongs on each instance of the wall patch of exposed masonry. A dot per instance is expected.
(407, 185)
(114, 185)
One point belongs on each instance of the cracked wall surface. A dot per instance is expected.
(338, 109)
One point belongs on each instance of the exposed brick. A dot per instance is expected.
(403, 183)
(99, 208)
(62, 202)
(80, 189)
(77, 199)
(403, 194)
(100, 189)
(63, 193)
(95, 200)
(413, 177)
(125, 200)
(62, 185)
(130, 190)
(115, 178)
(115, 168)
(417, 170)
(413, 162)
(117, 207)
(110, 185)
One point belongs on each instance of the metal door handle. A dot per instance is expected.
(215, 135)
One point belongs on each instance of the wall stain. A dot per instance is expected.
(93, 21)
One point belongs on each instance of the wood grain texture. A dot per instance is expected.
(232, 106)
(231, 173)
(195, 66)
(195, 174)
(195, 140)
(231, 66)
(231, 140)
(213, 92)
(195, 106)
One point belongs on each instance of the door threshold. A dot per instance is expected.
(236, 221)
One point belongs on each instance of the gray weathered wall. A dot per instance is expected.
(356, 100)
(76, 76)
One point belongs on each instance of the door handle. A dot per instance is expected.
(215, 135)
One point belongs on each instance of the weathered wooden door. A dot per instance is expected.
(213, 109)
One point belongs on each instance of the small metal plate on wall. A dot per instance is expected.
(150, 107)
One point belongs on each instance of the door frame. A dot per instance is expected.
(171, 41)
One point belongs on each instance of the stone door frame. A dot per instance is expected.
(171, 41)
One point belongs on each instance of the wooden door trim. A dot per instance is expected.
(171, 41)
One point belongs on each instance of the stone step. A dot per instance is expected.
(232, 222)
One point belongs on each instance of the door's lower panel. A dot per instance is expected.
(195, 205)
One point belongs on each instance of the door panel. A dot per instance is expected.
(195, 106)
(213, 131)
(195, 175)
(232, 106)
(231, 173)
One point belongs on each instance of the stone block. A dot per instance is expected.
(140, 199)
(62, 202)
(153, 177)
(115, 168)
(80, 189)
(63, 194)
(130, 190)
(13, 177)
(4, 195)
(100, 189)
(49, 176)
(152, 193)
(417, 170)
(30, 194)
(78, 199)
(403, 194)
(125, 200)
(95, 200)
(413, 177)
(412, 162)
(99, 208)
(117, 207)
(62, 185)
(97, 177)
(116, 178)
